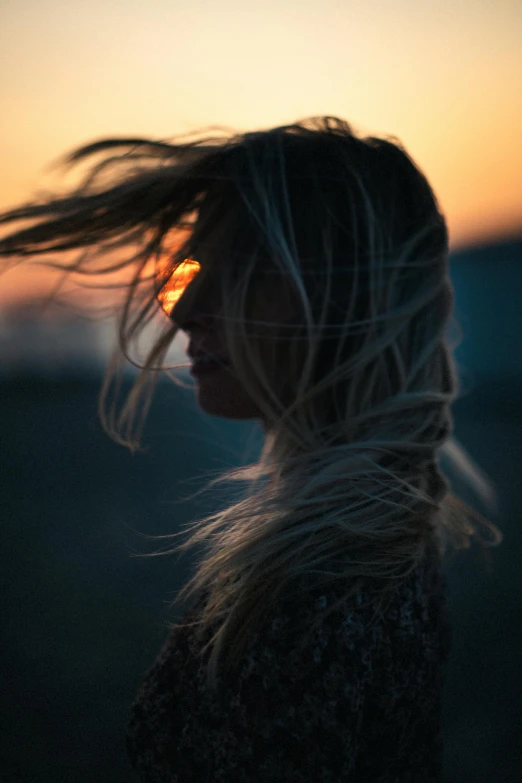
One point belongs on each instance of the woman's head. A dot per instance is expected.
(309, 244)
(321, 262)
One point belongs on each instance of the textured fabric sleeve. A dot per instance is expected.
(296, 711)
(358, 701)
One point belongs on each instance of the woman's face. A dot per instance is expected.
(218, 390)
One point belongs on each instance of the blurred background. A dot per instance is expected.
(82, 616)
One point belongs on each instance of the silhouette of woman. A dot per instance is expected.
(309, 268)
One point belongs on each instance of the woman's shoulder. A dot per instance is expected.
(409, 621)
(317, 621)
(319, 615)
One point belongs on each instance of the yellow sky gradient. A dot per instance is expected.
(445, 78)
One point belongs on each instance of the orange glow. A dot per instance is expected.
(83, 72)
(171, 291)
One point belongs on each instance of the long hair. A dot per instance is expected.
(348, 489)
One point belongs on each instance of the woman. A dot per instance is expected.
(310, 272)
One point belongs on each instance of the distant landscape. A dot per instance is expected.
(83, 617)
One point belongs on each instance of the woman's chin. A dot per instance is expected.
(220, 395)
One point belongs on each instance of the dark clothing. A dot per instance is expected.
(360, 701)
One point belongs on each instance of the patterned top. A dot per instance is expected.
(359, 701)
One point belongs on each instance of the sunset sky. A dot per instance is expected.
(444, 77)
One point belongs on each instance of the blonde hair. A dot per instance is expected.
(348, 489)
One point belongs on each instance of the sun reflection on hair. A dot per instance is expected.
(171, 291)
